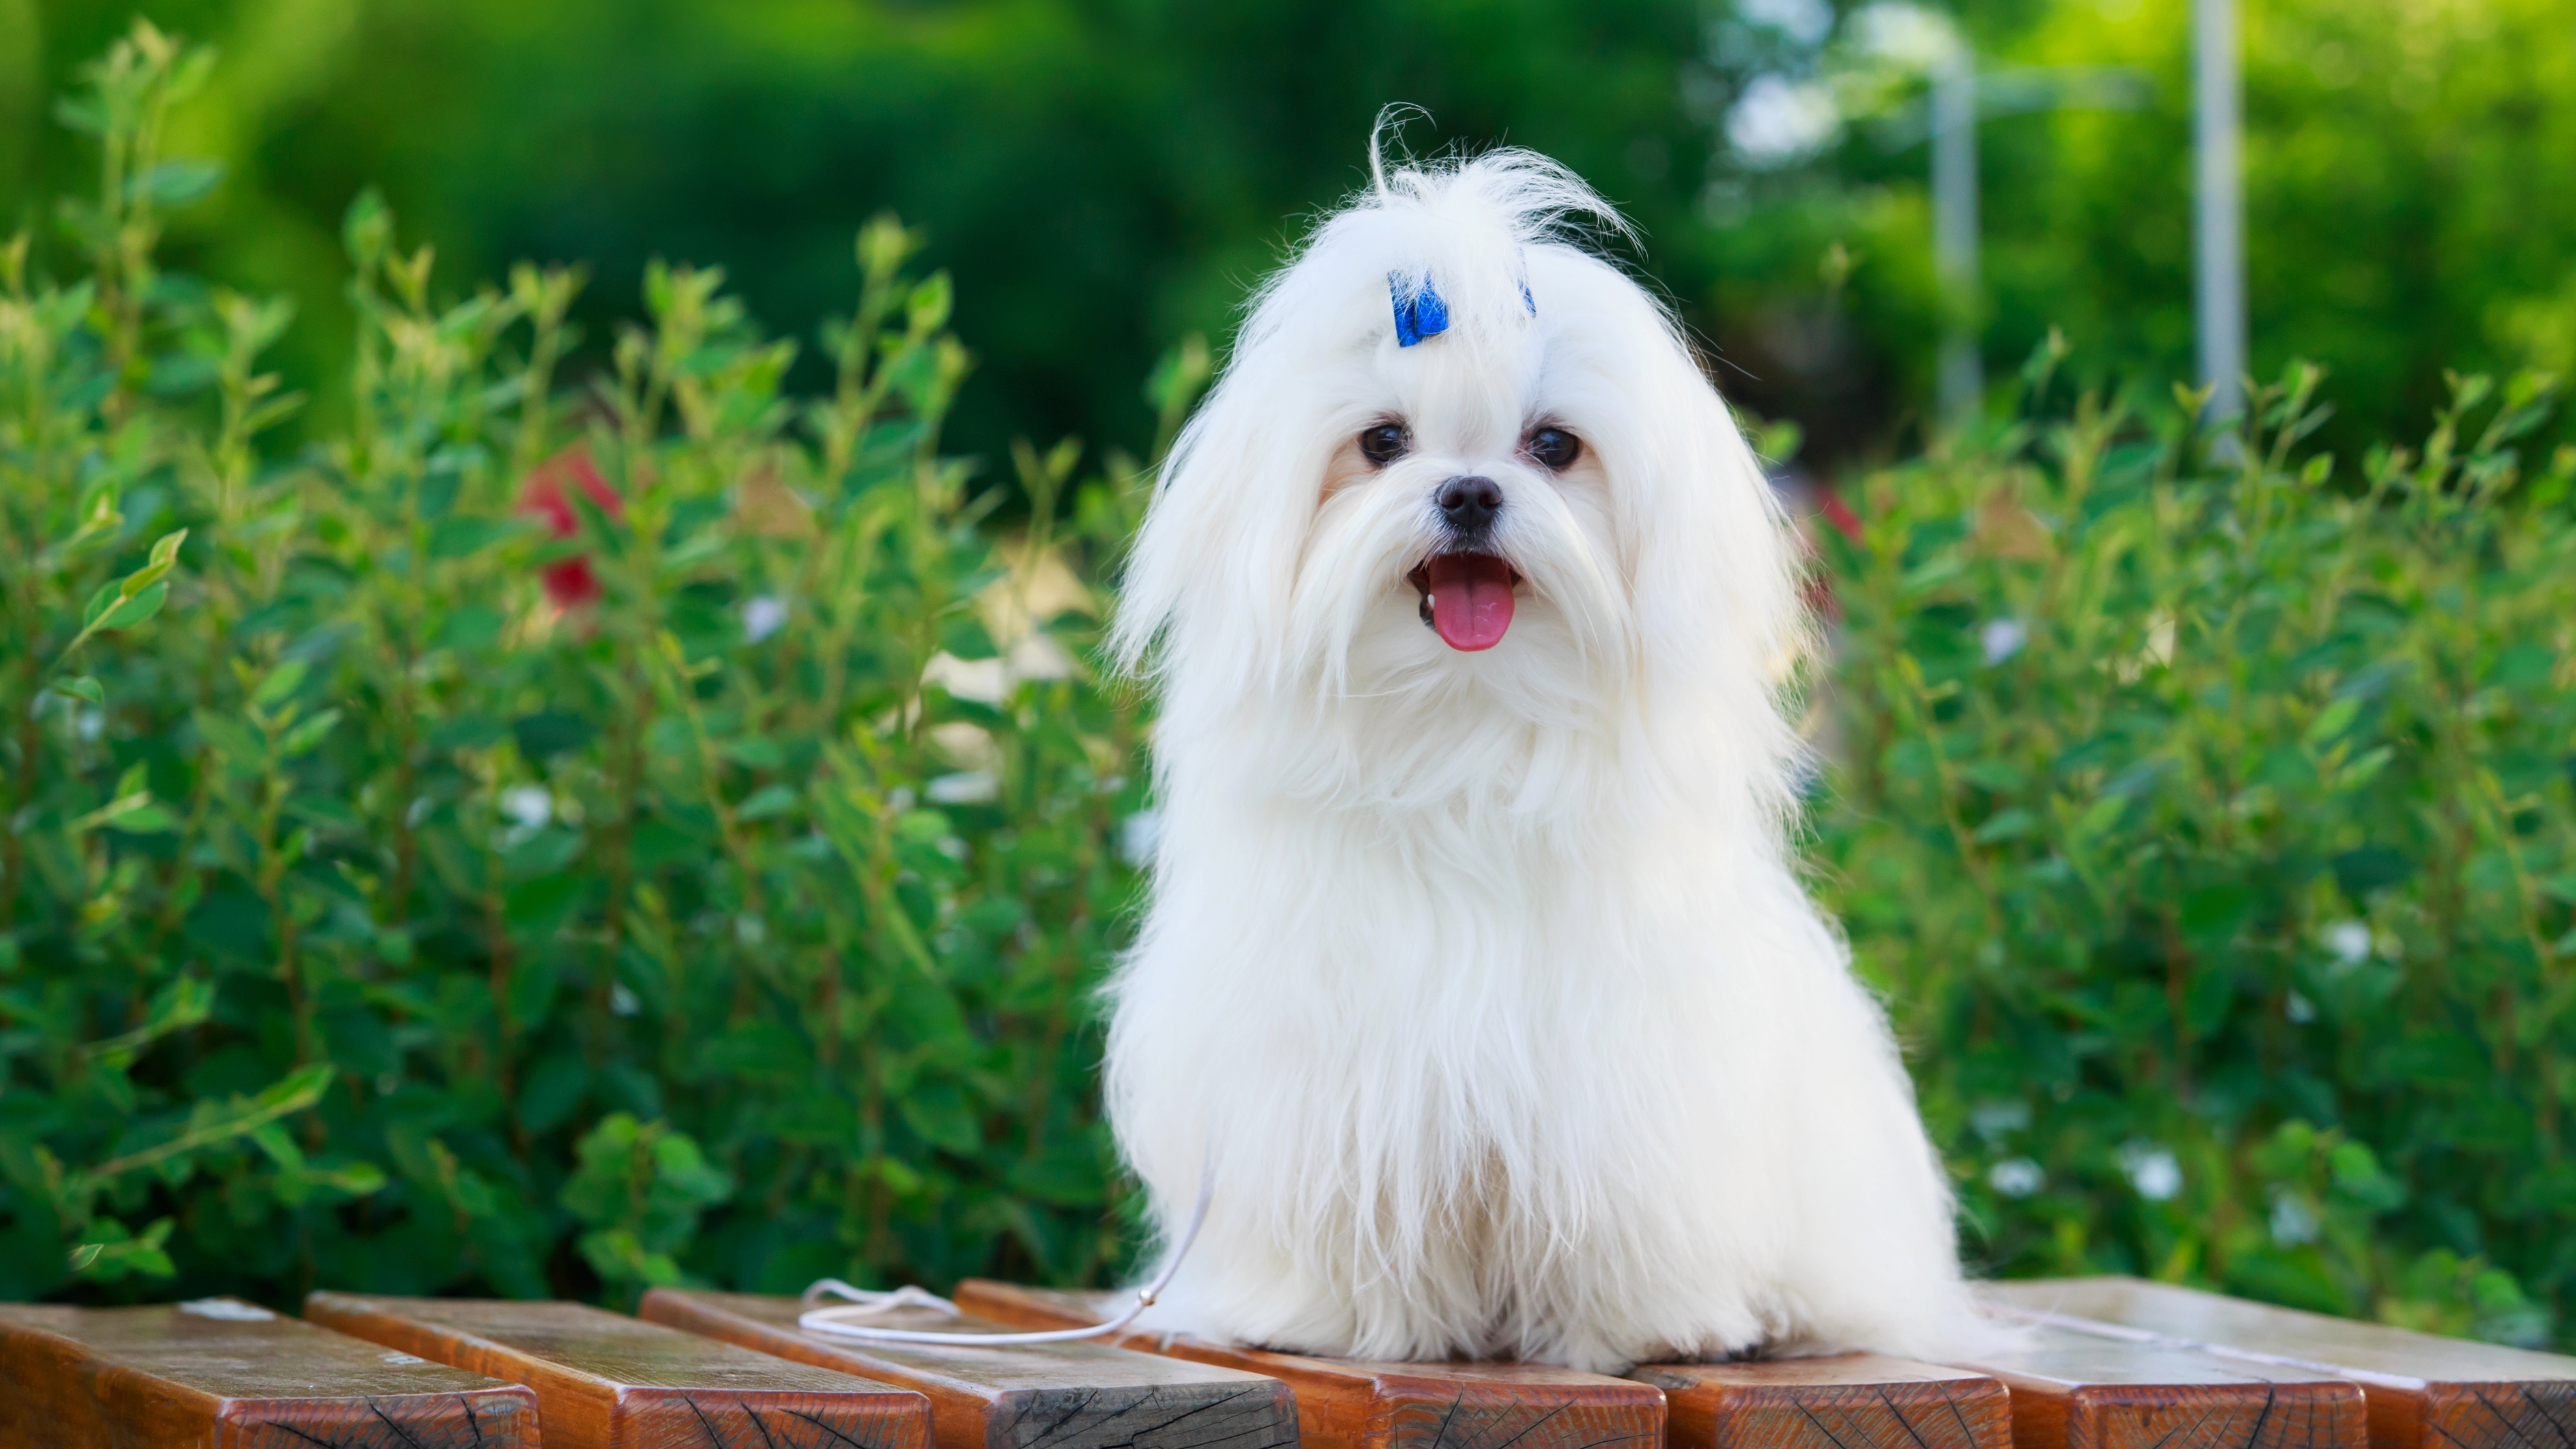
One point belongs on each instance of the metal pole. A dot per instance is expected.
(1954, 227)
(2218, 204)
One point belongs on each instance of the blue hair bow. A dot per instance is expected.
(1420, 313)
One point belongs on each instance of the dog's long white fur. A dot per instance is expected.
(1490, 976)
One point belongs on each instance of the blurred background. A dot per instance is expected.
(1104, 177)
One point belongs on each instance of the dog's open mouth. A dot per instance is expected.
(1466, 597)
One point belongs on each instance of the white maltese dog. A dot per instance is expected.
(1477, 967)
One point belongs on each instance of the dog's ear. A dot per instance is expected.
(1214, 566)
(1718, 540)
(1722, 623)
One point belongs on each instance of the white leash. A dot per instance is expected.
(867, 1303)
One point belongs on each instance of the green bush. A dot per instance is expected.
(533, 840)
(2210, 825)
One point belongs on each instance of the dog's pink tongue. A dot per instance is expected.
(1471, 599)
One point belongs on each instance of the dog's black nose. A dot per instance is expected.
(1469, 504)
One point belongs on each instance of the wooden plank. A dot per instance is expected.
(223, 1374)
(1024, 1396)
(2080, 1391)
(2422, 1391)
(1359, 1404)
(606, 1381)
(1846, 1401)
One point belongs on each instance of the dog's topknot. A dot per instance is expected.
(1467, 224)
(1535, 198)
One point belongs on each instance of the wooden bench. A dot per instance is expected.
(607, 1381)
(223, 1374)
(1846, 1401)
(1355, 1404)
(2421, 1392)
(2073, 1391)
(2085, 1364)
(1843, 1401)
(1014, 1396)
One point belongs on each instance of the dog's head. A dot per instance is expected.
(1457, 460)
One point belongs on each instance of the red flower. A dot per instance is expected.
(569, 582)
(1820, 584)
(1837, 512)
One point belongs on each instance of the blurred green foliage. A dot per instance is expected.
(543, 836)
(2212, 828)
(1103, 177)
(530, 838)
(1100, 178)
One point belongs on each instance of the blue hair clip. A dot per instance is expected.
(1529, 301)
(1418, 314)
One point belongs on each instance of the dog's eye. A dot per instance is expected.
(1555, 448)
(1385, 443)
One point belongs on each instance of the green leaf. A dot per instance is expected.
(2370, 868)
(184, 1003)
(2357, 1173)
(2099, 817)
(80, 687)
(82, 113)
(279, 684)
(922, 827)
(466, 732)
(930, 303)
(134, 609)
(235, 745)
(2002, 776)
(681, 1169)
(466, 536)
(215, 1124)
(175, 183)
(940, 1114)
(965, 637)
(1064, 1174)
(543, 852)
(190, 75)
(2010, 824)
(367, 229)
(307, 734)
(112, 1254)
(181, 374)
(471, 627)
(354, 1179)
(2364, 768)
(133, 798)
(2332, 721)
(767, 801)
(2217, 911)
(538, 908)
(2528, 665)
(553, 1093)
(135, 598)
(143, 820)
(281, 1149)
(553, 732)
(755, 753)
(531, 998)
